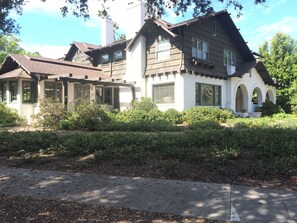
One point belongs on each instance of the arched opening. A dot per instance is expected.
(241, 99)
(257, 99)
(269, 96)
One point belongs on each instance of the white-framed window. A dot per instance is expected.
(117, 55)
(53, 90)
(163, 93)
(200, 49)
(208, 94)
(13, 91)
(229, 58)
(3, 91)
(104, 58)
(163, 49)
(29, 91)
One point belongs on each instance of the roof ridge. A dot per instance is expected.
(61, 62)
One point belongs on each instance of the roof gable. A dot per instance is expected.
(46, 66)
(222, 16)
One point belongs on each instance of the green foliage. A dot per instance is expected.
(198, 114)
(280, 59)
(51, 114)
(8, 116)
(268, 108)
(145, 104)
(273, 150)
(85, 115)
(11, 44)
(173, 116)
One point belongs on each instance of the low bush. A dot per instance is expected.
(8, 116)
(198, 114)
(268, 108)
(51, 114)
(173, 116)
(86, 115)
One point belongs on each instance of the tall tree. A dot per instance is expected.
(11, 44)
(80, 8)
(280, 58)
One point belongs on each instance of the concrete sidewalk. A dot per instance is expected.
(206, 200)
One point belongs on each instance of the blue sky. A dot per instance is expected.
(46, 31)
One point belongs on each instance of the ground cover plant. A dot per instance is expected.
(208, 150)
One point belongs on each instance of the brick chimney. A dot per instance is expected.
(107, 31)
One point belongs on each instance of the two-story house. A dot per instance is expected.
(198, 62)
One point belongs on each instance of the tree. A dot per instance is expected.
(280, 59)
(11, 44)
(79, 8)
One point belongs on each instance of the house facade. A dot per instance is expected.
(199, 62)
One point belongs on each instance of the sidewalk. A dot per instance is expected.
(213, 201)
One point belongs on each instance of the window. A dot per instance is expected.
(53, 90)
(163, 49)
(117, 55)
(199, 49)
(29, 91)
(229, 58)
(13, 90)
(104, 95)
(163, 94)
(3, 90)
(82, 91)
(214, 29)
(208, 95)
(104, 58)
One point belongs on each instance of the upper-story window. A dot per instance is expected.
(163, 49)
(214, 29)
(117, 55)
(229, 58)
(199, 49)
(104, 58)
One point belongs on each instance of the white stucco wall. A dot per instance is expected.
(251, 81)
(178, 81)
(190, 81)
(135, 69)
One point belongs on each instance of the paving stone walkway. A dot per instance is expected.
(207, 200)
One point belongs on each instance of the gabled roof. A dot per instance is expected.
(222, 16)
(259, 66)
(46, 66)
(116, 43)
(82, 47)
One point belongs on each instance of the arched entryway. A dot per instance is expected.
(257, 98)
(269, 96)
(241, 99)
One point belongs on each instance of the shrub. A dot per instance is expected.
(173, 116)
(8, 116)
(85, 115)
(197, 114)
(50, 115)
(146, 104)
(268, 108)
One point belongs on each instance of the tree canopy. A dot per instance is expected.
(280, 59)
(11, 44)
(80, 8)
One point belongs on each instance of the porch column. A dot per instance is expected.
(65, 96)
